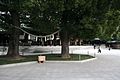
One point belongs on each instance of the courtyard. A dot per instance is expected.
(105, 67)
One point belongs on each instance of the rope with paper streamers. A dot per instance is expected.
(37, 35)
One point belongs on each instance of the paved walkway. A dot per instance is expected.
(105, 67)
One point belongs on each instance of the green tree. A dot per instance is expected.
(75, 18)
(11, 21)
(28, 12)
(78, 18)
(109, 24)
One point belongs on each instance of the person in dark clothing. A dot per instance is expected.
(109, 48)
(99, 50)
(94, 46)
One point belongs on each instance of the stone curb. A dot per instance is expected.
(75, 61)
(25, 63)
(88, 60)
(16, 64)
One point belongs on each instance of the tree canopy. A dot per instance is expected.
(83, 19)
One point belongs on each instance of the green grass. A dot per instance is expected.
(74, 57)
(37, 51)
(49, 57)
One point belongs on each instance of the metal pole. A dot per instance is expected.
(79, 56)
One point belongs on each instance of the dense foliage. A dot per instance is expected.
(83, 19)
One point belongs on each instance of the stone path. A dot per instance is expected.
(105, 67)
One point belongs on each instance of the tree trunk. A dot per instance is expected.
(64, 32)
(65, 44)
(13, 47)
(26, 38)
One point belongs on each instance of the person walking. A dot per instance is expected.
(94, 46)
(109, 47)
(99, 50)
